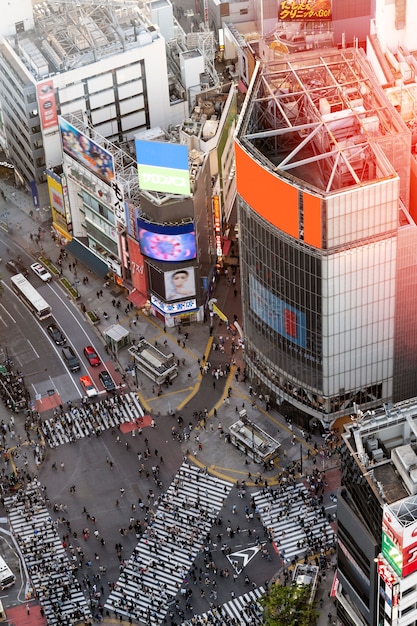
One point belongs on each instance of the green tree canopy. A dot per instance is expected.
(288, 606)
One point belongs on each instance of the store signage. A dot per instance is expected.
(304, 10)
(399, 542)
(217, 225)
(386, 574)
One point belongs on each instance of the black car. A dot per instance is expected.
(17, 267)
(56, 334)
(71, 359)
(107, 381)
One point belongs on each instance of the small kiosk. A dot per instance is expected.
(116, 337)
(247, 436)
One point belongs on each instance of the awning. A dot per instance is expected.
(226, 243)
(137, 298)
(86, 256)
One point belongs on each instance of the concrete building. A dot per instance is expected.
(377, 518)
(326, 237)
(71, 57)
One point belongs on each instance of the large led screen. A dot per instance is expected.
(87, 152)
(167, 243)
(179, 283)
(163, 167)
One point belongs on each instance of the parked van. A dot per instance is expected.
(7, 578)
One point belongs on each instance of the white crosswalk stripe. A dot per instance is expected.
(92, 419)
(47, 563)
(239, 611)
(159, 565)
(296, 523)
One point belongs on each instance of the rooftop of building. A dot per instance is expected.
(70, 34)
(381, 448)
(321, 117)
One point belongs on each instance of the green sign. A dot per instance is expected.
(392, 554)
(164, 179)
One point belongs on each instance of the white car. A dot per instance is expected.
(41, 272)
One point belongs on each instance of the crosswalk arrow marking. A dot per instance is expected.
(243, 556)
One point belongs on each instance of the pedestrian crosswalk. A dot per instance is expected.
(240, 611)
(296, 523)
(175, 534)
(50, 571)
(91, 419)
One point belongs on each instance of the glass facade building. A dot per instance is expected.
(322, 166)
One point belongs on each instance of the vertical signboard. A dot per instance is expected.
(399, 543)
(217, 225)
(47, 104)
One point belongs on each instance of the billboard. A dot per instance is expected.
(399, 542)
(163, 167)
(81, 148)
(280, 316)
(304, 10)
(167, 243)
(47, 104)
(179, 283)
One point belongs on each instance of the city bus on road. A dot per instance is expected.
(7, 578)
(30, 297)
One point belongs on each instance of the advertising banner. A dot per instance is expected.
(179, 284)
(282, 317)
(399, 543)
(47, 104)
(304, 10)
(167, 243)
(88, 153)
(163, 167)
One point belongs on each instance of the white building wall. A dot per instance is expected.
(120, 76)
(13, 12)
(387, 33)
(358, 317)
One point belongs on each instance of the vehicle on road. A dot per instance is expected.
(92, 356)
(41, 271)
(107, 381)
(7, 578)
(17, 267)
(30, 297)
(70, 359)
(56, 334)
(88, 386)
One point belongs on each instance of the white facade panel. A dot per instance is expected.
(98, 83)
(133, 104)
(71, 92)
(101, 99)
(130, 89)
(103, 114)
(363, 212)
(74, 105)
(358, 316)
(128, 73)
(134, 120)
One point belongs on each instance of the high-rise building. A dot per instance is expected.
(326, 240)
(376, 579)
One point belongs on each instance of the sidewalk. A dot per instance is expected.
(190, 387)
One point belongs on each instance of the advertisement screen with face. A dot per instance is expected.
(179, 284)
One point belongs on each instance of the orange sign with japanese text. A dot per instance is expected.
(304, 10)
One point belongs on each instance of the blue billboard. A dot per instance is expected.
(163, 167)
(280, 316)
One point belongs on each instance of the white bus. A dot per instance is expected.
(29, 296)
(7, 578)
